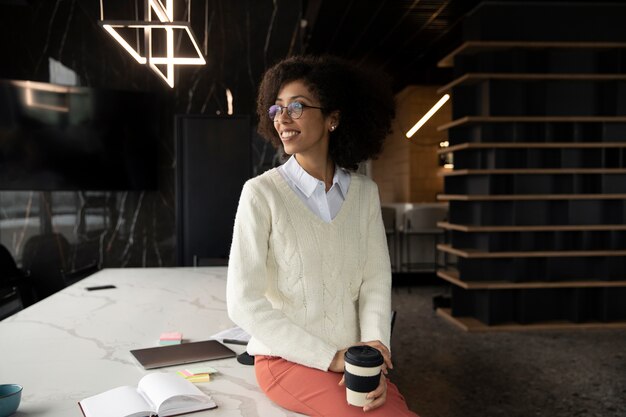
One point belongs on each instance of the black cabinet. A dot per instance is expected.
(213, 161)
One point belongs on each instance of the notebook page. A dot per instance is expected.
(120, 401)
(161, 387)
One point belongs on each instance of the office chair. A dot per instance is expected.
(422, 221)
(46, 258)
(13, 285)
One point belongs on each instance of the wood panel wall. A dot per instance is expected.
(407, 169)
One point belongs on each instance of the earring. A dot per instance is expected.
(332, 128)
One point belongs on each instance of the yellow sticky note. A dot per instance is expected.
(199, 378)
(201, 370)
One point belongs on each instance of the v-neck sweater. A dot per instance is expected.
(304, 288)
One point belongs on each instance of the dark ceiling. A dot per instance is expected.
(405, 38)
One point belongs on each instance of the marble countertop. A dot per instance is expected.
(76, 343)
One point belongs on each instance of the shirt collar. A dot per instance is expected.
(342, 177)
(307, 183)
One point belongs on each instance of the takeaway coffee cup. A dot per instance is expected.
(362, 373)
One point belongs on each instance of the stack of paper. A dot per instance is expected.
(234, 335)
(171, 338)
(201, 374)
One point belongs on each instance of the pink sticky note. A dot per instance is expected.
(171, 336)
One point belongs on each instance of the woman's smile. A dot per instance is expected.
(288, 134)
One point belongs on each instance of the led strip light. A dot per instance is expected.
(427, 116)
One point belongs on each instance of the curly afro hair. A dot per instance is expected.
(363, 98)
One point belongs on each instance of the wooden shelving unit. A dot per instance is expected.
(521, 197)
(473, 253)
(452, 276)
(477, 46)
(478, 77)
(470, 324)
(543, 228)
(530, 145)
(537, 196)
(531, 119)
(522, 171)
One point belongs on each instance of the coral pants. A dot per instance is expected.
(317, 393)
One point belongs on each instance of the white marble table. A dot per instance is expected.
(76, 343)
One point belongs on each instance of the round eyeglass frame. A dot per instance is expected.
(294, 110)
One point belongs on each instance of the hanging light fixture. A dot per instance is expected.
(166, 23)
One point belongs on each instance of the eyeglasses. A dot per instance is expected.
(294, 110)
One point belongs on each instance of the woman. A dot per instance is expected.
(309, 272)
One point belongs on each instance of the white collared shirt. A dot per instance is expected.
(312, 191)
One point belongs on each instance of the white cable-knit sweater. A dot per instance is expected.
(304, 288)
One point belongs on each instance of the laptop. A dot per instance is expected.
(160, 356)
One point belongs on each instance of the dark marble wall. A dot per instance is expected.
(239, 38)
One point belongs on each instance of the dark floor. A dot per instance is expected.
(445, 372)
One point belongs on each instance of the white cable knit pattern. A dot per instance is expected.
(304, 288)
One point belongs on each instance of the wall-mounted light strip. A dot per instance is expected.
(428, 115)
(32, 91)
(229, 101)
(165, 14)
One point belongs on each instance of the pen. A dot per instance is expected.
(235, 342)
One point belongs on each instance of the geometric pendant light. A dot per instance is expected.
(165, 23)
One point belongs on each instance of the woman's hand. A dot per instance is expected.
(379, 395)
(338, 364)
(377, 344)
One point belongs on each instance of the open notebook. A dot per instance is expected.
(162, 394)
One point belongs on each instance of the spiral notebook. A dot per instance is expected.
(160, 356)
